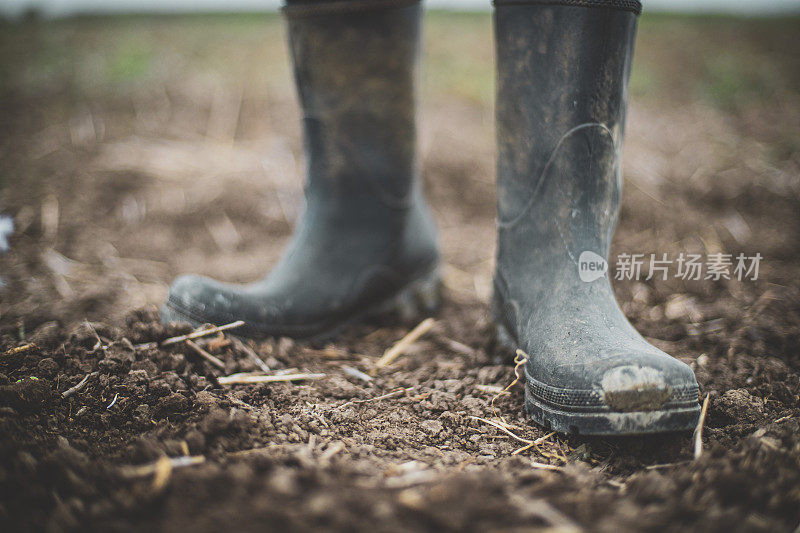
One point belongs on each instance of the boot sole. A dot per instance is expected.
(610, 423)
(422, 297)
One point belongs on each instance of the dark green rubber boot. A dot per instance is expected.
(563, 69)
(366, 243)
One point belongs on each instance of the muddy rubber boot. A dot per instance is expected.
(563, 69)
(366, 242)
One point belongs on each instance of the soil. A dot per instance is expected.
(117, 184)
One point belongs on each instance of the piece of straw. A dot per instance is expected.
(81, 384)
(161, 465)
(193, 335)
(205, 355)
(20, 349)
(545, 466)
(402, 345)
(533, 443)
(698, 432)
(503, 428)
(356, 373)
(202, 333)
(247, 380)
(251, 354)
(395, 392)
(519, 359)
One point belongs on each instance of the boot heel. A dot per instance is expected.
(504, 339)
(419, 299)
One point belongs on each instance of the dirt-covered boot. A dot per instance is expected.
(366, 241)
(563, 69)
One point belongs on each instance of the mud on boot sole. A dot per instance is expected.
(598, 419)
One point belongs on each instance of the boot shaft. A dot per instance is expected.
(355, 65)
(562, 88)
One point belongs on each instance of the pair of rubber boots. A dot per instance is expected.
(366, 242)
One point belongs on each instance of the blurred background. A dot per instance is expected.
(71, 7)
(135, 146)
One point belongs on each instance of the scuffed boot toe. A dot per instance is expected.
(190, 300)
(649, 387)
(631, 393)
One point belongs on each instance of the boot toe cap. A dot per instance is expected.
(647, 387)
(628, 381)
(200, 300)
(194, 299)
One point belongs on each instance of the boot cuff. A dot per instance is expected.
(634, 6)
(307, 8)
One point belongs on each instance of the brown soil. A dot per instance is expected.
(119, 183)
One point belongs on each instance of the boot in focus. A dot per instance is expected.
(563, 69)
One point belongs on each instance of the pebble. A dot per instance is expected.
(432, 427)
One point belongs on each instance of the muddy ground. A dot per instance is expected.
(136, 148)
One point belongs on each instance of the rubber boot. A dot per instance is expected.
(366, 242)
(563, 69)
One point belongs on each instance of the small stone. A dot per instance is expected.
(432, 427)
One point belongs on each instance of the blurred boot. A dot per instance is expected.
(563, 69)
(366, 241)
